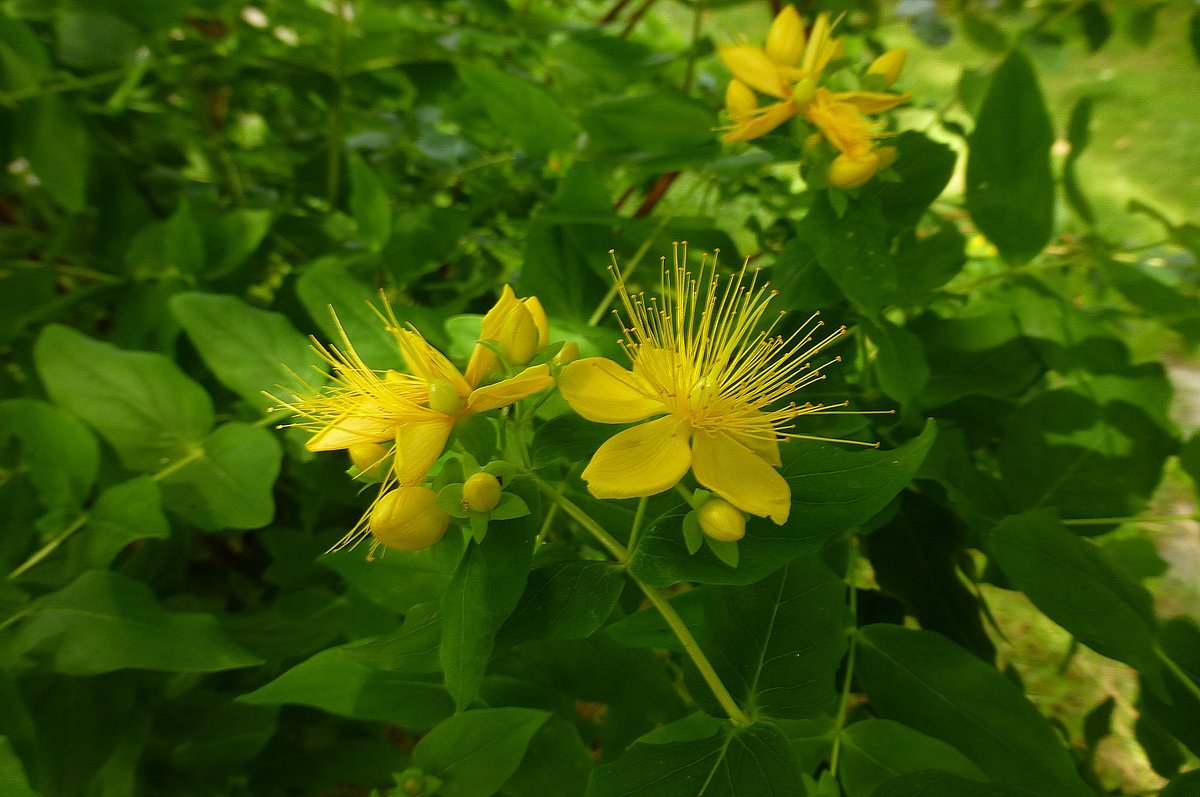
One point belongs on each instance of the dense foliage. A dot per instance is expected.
(192, 185)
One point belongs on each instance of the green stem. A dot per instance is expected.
(1104, 521)
(179, 464)
(1178, 672)
(656, 599)
(547, 522)
(638, 518)
(50, 547)
(844, 702)
(20, 614)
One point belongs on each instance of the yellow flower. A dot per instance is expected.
(408, 519)
(707, 387)
(518, 328)
(786, 67)
(841, 118)
(416, 411)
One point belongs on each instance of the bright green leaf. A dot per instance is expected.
(123, 514)
(328, 285)
(475, 752)
(59, 453)
(58, 148)
(13, 782)
(370, 204)
(521, 109)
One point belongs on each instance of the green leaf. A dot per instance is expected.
(945, 784)
(521, 109)
(13, 782)
(327, 284)
(334, 682)
(853, 250)
(413, 649)
(94, 41)
(984, 32)
(556, 763)
(24, 62)
(983, 354)
(570, 599)
(928, 683)
(1097, 27)
(58, 148)
(1010, 190)
(567, 437)
(104, 621)
(1177, 709)
(168, 249)
(123, 514)
(1078, 135)
(777, 644)
(925, 167)
(232, 237)
(370, 204)
(402, 579)
(58, 452)
(249, 350)
(740, 762)
(899, 361)
(633, 125)
(1077, 587)
(927, 262)
(210, 732)
(148, 410)
(834, 488)
(914, 555)
(481, 595)
(230, 482)
(1186, 785)
(875, 751)
(475, 752)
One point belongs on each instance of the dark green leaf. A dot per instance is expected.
(556, 763)
(985, 33)
(926, 263)
(634, 124)
(1186, 785)
(336, 683)
(1098, 723)
(58, 452)
(899, 361)
(982, 354)
(26, 62)
(58, 148)
(230, 481)
(211, 732)
(944, 784)
(1071, 581)
(925, 167)
(928, 683)
(521, 109)
(875, 751)
(104, 621)
(1176, 711)
(483, 592)
(1165, 754)
(777, 644)
(568, 599)
(232, 237)
(475, 752)
(1010, 190)
(1078, 135)
(92, 42)
(853, 250)
(141, 403)
(834, 488)
(740, 762)
(249, 350)
(402, 579)
(914, 555)
(413, 649)
(13, 782)
(370, 204)
(567, 437)
(1097, 27)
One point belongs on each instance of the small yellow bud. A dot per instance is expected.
(370, 459)
(847, 172)
(722, 520)
(407, 519)
(803, 91)
(481, 492)
(569, 353)
(889, 65)
(413, 787)
(444, 398)
(518, 326)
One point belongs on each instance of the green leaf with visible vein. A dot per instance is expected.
(475, 752)
(777, 644)
(928, 683)
(740, 762)
(147, 409)
(104, 621)
(875, 751)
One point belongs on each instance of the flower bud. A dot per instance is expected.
(888, 66)
(721, 520)
(444, 398)
(569, 353)
(407, 519)
(518, 326)
(370, 459)
(481, 492)
(785, 39)
(804, 90)
(848, 172)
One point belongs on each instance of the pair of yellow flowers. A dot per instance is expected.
(705, 389)
(789, 67)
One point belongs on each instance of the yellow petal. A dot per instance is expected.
(538, 314)
(821, 47)
(602, 391)
(740, 101)
(740, 476)
(645, 460)
(418, 446)
(483, 360)
(889, 65)
(759, 436)
(531, 380)
(366, 422)
(751, 65)
(872, 101)
(850, 172)
(771, 117)
(408, 519)
(785, 40)
(428, 363)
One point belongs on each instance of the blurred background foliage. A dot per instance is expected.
(189, 186)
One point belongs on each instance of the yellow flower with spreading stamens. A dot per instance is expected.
(706, 388)
(786, 67)
(418, 410)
